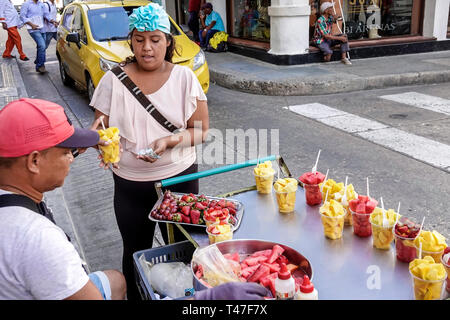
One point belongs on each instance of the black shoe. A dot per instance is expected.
(25, 59)
(8, 57)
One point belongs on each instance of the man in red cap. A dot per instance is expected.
(37, 260)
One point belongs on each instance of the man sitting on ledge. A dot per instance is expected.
(323, 38)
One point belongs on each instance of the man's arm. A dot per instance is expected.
(23, 16)
(2, 14)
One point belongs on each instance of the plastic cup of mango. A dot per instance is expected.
(427, 289)
(382, 237)
(437, 256)
(348, 219)
(264, 183)
(286, 201)
(333, 226)
(214, 238)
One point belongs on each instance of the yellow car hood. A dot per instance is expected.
(119, 50)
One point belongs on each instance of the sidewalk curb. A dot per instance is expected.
(318, 87)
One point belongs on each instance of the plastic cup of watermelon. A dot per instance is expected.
(427, 289)
(333, 227)
(286, 201)
(361, 224)
(447, 268)
(313, 195)
(264, 183)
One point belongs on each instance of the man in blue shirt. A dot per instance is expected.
(32, 15)
(212, 24)
(50, 23)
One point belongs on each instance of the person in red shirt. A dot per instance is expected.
(193, 23)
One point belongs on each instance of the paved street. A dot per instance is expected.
(399, 137)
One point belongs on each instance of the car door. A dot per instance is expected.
(75, 51)
(63, 30)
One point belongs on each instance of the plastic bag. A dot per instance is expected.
(173, 279)
(216, 268)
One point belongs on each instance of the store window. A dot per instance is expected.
(251, 19)
(371, 19)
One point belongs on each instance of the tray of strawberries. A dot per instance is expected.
(196, 210)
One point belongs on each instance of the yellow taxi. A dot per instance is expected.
(92, 39)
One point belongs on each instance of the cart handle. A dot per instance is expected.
(210, 172)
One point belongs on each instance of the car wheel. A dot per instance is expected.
(65, 78)
(89, 87)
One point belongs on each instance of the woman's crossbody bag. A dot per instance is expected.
(143, 100)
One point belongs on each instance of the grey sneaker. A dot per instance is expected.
(41, 69)
(346, 62)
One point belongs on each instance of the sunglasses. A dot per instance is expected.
(74, 152)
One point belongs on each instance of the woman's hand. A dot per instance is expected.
(159, 146)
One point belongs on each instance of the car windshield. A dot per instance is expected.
(110, 24)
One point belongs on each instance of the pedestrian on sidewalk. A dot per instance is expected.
(193, 23)
(323, 37)
(168, 92)
(50, 22)
(37, 260)
(10, 22)
(211, 23)
(32, 15)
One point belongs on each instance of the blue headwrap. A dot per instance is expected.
(149, 18)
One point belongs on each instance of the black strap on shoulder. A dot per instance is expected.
(18, 200)
(143, 100)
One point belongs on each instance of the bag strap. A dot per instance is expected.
(143, 100)
(18, 200)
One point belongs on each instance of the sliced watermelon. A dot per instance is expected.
(352, 204)
(361, 207)
(362, 198)
(371, 205)
(247, 272)
(265, 281)
(265, 253)
(234, 256)
(262, 271)
(276, 252)
(251, 261)
(274, 267)
(298, 282)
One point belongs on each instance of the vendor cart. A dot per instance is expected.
(349, 268)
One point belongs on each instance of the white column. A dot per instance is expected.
(289, 26)
(221, 7)
(436, 18)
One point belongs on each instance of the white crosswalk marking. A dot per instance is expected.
(420, 100)
(417, 147)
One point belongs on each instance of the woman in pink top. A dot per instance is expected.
(177, 94)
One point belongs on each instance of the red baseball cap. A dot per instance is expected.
(28, 125)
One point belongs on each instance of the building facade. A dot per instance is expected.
(285, 27)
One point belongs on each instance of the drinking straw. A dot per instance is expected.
(398, 213)
(103, 124)
(420, 251)
(345, 190)
(382, 208)
(323, 183)
(368, 187)
(326, 196)
(314, 169)
(421, 226)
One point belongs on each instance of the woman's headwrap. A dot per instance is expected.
(149, 18)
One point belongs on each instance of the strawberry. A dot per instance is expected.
(185, 219)
(222, 203)
(195, 216)
(186, 210)
(232, 211)
(199, 206)
(225, 211)
(230, 204)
